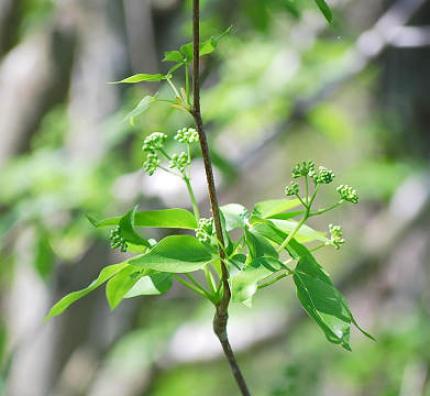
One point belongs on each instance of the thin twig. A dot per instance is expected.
(221, 314)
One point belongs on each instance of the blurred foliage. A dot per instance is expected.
(271, 60)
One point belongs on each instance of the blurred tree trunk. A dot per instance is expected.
(140, 35)
(49, 69)
(34, 76)
(405, 99)
(9, 17)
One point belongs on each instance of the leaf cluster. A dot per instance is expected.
(263, 246)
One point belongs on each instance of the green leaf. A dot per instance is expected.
(185, 53)
(155, 284)
(141, 77)
(126, 227)
(186, 50)
(119, 285)
(267, 229)
(325, 9)
(176, 254)
(305, 234)
(237, 261)
(44, 256)
(245, 283)
(259, 246)
(291, 7)
(209, 46)
(165, 218)
(322, 301)
(287, 215)
(132, 282)
(278, 230)
(141, 107)
(267, 209)
(173, 56)
(235, 216)
(106, 273)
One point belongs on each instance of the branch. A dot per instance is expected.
(221, 315)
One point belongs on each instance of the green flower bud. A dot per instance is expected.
(151, 164)
(305, 168)
(117, 241)
(292, 189)
(336, 236)
(347, 193)
(324, 176)
(204, 231)
(179, 161)
(187, 136)
(155, 141)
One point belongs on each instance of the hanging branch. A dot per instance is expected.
(221, 315)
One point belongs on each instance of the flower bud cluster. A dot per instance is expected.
(292, 189)
(204, 230)
(187, 136)
(336, 236)
(155, 141)
(151, 163)
(117, 241)
(179, 161)
(305, 168)
(347, 193)
(324, 176)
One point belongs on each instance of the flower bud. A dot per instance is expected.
(336, 236)
(324, 176)
(117, 241)
(292, 189)
(204, 231)
(305, 168)
(347, 193)
(187, 136)
(151, 164)
(179, 161)
(155, 141)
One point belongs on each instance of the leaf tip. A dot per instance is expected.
(93, 221)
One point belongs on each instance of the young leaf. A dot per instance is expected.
(131, 282)
(141, 107)
(245, 283)
(278, 230)
(165, 218)
(235, 216)
(267, 209)
(174, 56)
(209, 46)
(185, 53)
(106, 273)
(305, 234)
(288, 215)
(126, 227)
(176, 254)
(119, 285)
(141, 77)
(155, 284)
(259, 246)
(325, 9)
(265, 228)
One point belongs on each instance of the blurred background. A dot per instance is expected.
(281, 88)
